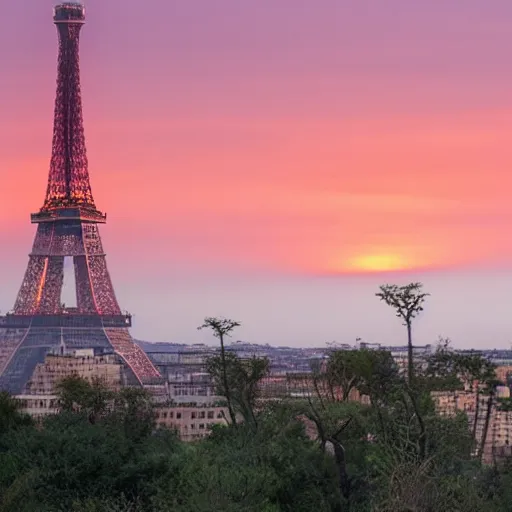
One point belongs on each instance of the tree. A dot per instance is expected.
(130, 407)
(448, 370)
(335, 423)
(243, 377)
(479, 373)
(443, 370)
(10, 415)
(134, 410)
(276, 468)
(343, 373)
(77, 394)
(68, 462)
(407, 301)
(491, 385)
(223, 327)
(418, 487)
(336, 420)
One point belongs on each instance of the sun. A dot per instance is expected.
(378, 262)
(369, 258)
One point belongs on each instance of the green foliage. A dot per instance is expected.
(97, 454)
(77, 394)
(504, 404)
(222, 327)
(10, 417)
(243, 377)
(102, 453)
(449, 370)
(418, 487)
(133, 410)
(71, 459)
(275, 468)
(407, 301)
(344, 372)
(378, 375)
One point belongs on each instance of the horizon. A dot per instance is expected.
(279, 179)
(327, 346)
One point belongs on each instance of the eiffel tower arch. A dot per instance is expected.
(67, 227)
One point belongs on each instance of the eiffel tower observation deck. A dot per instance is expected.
(67, 229)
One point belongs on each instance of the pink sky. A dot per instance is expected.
(242, 149)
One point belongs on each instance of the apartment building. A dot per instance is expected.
(83, 363)
(39, 396)
(38, 406)
(498, 442)
(190, 422)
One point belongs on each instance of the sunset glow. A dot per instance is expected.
(267, 138)
(378, 263)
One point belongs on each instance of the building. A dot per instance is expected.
(67, 231)
(39, 396)
(498, 442)
(503, 373)
(107, 368)
(192, 422)
(38, 406)
(401, 354)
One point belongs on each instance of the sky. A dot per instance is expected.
(275, 161)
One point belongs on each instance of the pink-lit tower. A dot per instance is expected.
(67, 227)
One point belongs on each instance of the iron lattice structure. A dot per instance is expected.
(67, 226)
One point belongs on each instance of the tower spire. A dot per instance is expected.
(68, 180)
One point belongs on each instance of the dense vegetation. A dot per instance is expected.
(321, 451)
(103, 453)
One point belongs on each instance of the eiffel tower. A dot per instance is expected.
(67, 227)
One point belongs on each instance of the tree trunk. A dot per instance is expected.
(250, 398)
(225, 381)
(341, 463)
(477, 412)
(488, 413)
(410, 355)
(422, 439)
(381, 423)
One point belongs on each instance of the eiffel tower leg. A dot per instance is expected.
(52, 288)
(30, 292)
(132, 354)
(103, 291)
(84, 295)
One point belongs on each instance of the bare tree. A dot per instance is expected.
(407, 301)
(223, 327)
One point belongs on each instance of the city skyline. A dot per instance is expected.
(274, 180)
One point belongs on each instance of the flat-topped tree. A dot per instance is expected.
(222, 327)
(407, 301)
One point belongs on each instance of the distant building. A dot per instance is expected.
(363, 345)
(38, 406)
(192, 422)
(504, 374)
(83, 363)
(39, 396)
(499, 435)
